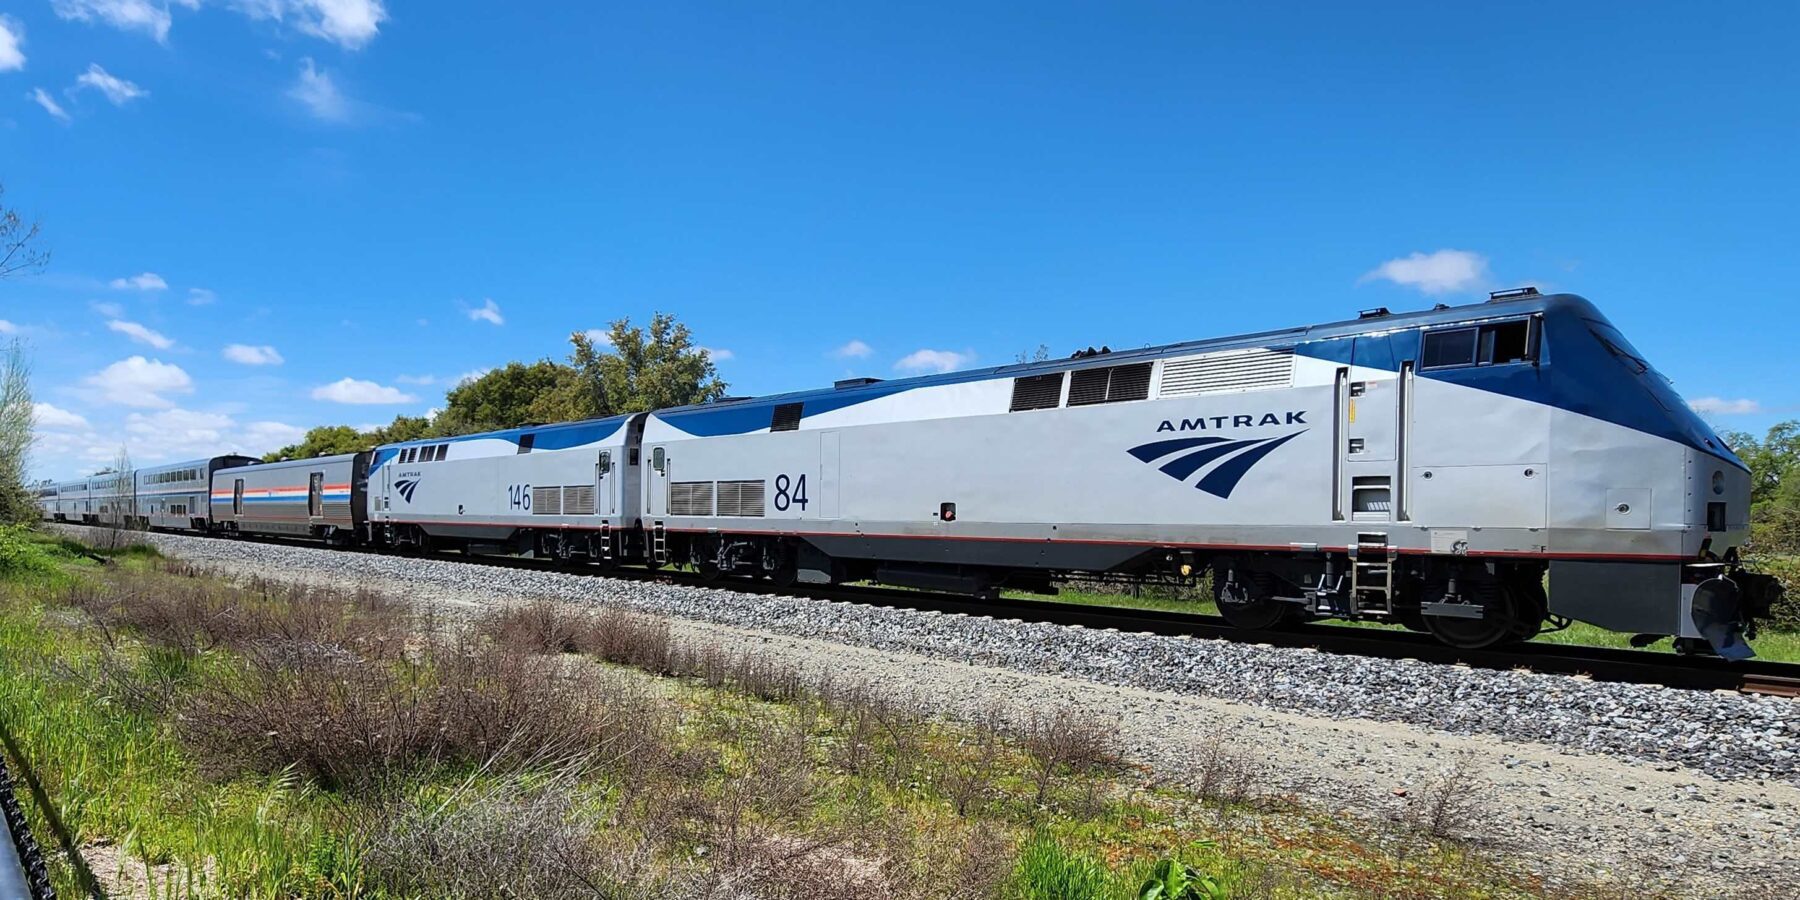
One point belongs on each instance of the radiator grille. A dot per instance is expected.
(1114, 384)
(1037, 392)
(1226, 371)
(337, 510)
(691, 498)
(546, 501)
(578, 500)
(741, 498)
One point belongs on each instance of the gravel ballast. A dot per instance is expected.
(1725, 735)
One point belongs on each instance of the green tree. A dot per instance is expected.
(16, 423)
(1774, 462)
(645, 369)
(403, 428)
(514, 394)
(325, 440)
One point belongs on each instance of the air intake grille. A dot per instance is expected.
(741, 498)
(1114, 384)
(1227, 371)
(1037, 392)
(546, 501)
(691, 498)
(578, 499)
(786, 417)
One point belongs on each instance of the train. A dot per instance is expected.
(1478, 472)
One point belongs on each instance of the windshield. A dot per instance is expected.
(1660, 387)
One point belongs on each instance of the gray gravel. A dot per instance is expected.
(1725, 735)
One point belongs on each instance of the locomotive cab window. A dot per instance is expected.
(525, 442)
(1496, 343)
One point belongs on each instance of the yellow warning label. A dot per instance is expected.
(1353, 410)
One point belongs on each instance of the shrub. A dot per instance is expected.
(1067, 741)
(21, 556)
(505, 840)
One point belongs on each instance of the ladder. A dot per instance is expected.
(1372, 574)
(659, 544)
(606, 547)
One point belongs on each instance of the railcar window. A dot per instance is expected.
(1448, 348)
(1506, 342)
(1496, 343)
(786, 417)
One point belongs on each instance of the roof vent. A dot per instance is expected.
(1514, 294)
(1084, 354)
(1376, 313)
(842, 383)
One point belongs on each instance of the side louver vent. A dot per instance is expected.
(546, 501)
(1227, 371)
(578, 499)
(741, 498)
(1037, 392)
(691, 498)
(1114, 384)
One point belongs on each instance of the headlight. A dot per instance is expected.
(1718, 482)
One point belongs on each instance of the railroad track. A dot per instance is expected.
(1595, 663)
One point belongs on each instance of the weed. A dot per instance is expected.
(1048, 871)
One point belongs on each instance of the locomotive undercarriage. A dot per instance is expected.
(1464, 603)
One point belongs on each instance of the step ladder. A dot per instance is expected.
(659, 544)
(1372, 575)
(606, 547)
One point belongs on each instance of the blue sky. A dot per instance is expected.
(261, 210)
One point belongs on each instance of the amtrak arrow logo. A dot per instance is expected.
(406, 486)
(1230, 459)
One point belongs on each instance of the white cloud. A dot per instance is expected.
(125, 15)
(140, 334)
(43, 99)
(12, 37)
(140, 382)
(415, 379)
(352, 390)
(489, 311)
(253, 355)
(469, 376)
(853, 350)
(109, 310)
(1434, 273)
(347, 23)
(47, 416)
(116, 89)
(1719, 406)
(933, 361)
(8, 327)
(720, 355)
(601, 338)
(315, 90)
(261, 437)
(200, 296)
(147, 281)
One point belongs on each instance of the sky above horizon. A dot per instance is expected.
(266, 215)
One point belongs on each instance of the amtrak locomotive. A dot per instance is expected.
(1437, 469)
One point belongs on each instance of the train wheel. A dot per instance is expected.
(1250, 604)
(1509, 619)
